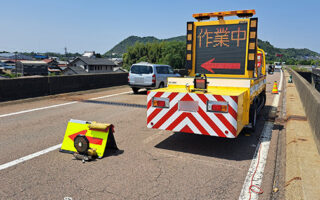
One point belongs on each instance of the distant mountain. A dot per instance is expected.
(121, 48)
(290, 53)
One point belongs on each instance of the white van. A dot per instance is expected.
(149, 76)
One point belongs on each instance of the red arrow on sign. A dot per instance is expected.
(92, 140)
(209, 65)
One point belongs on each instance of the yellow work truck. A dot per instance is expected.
(226, 83)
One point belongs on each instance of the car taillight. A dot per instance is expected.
(217, 106)
(128, 78)
(160, 102)
(153, 78)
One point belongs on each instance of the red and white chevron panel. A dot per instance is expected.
(200, 122)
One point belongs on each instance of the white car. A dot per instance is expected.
(149, 76)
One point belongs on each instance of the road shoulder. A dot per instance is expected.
(302, 159)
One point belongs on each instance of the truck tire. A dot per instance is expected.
(253, 116)
(161, 85)
(264, 96)
(135, 90)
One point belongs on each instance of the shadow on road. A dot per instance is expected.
(113, 103)
(140, 92)
(241, 148)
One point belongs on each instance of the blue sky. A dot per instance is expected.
(46, 25)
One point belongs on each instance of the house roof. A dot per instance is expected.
(47, 60)
(96, 61)
(33, 62)
(76, 70)
(120, 70)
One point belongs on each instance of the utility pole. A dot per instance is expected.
(66, 53)
(15, 59)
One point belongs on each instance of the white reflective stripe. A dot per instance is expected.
(150, 95)
(78, 121)
(202, 106)
(229, 117)
(204, 124)
(231, 102)
(213, 117)
(173, 102)
(151, 109)
(171, 119)
(185, 122)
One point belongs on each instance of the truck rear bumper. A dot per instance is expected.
(199, 121)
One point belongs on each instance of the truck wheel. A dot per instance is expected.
(264, 99)
(161, 85)
(135, 90)
(253, 116)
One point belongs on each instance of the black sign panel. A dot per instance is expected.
(221, 49)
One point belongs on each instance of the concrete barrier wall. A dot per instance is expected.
(316, 79)
(306, 75)
(310, 98)
(19, 88)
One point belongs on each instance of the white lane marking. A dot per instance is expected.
(57, 105)
(39, 153)
(36, 109)
(258, 175)
(28, 157)
(264, 144)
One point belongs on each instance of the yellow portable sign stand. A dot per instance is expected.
(100, 136)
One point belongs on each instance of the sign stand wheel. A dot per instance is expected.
(81, 143)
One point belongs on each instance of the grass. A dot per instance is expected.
(299, 69)
(11, 75)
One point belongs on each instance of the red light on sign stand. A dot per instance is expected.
(201, 83)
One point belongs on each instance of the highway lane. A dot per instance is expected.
(154, 165)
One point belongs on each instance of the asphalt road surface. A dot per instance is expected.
(154, 164)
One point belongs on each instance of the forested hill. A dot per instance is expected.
(290, 53)
(121, 48)
(287, 54)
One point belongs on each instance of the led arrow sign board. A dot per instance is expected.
(221, 47)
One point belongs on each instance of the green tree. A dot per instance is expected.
(170, 53)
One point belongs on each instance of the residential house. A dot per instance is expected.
(32, 67)
(7, 66)
(62, 64)
(90, 65)
(53, 67)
